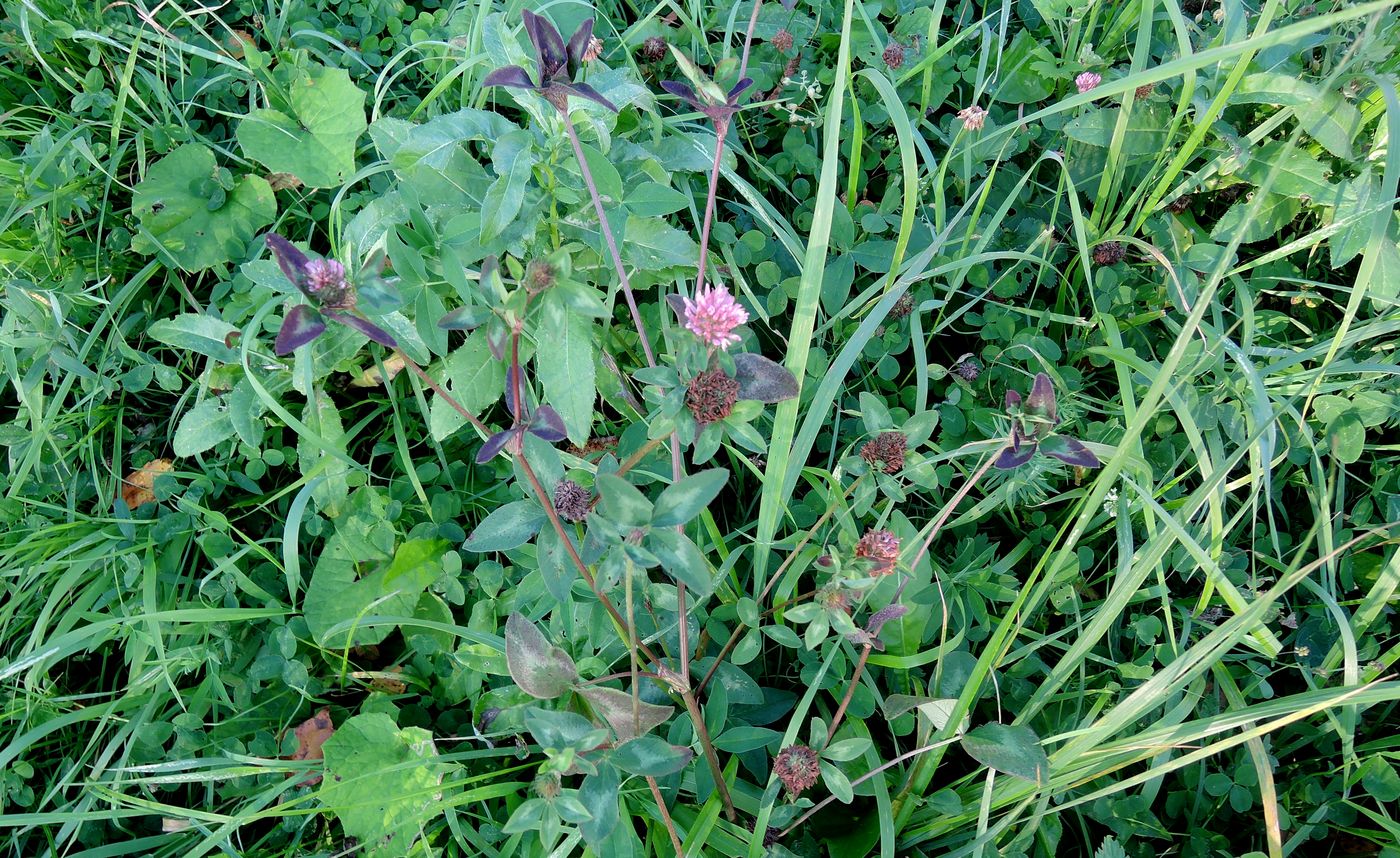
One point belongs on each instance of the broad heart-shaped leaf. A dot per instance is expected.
(316, 143)
(173, 205)
(762, 379)
(202, 427)
(339, 595)
(683, 500)
(198, 333)
(302, 324)
(383, 782)
(507, 527)
(1255, 220)
(615, 707)
(1009, 749)
(651, 244)
(541, 670)
(1070, 451)
(566, 364)
(1019, 79)
(651, 757)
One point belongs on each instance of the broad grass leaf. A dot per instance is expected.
(316, 142)
(1009, 749)
(173, 205)
(384, 783)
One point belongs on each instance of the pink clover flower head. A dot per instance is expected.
(1087, 81)
(322, 274)
(713, 316)
(973, 118)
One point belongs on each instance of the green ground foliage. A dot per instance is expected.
(379, 479)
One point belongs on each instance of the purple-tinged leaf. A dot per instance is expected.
(494, 445)
(379, 295)
(549, 45)
(548, 425)
(540, 669)
(513, 76)
(302, 325)
(1070, 451)
(583, 90)
(578, 43)
(464, 318)
(738, 89)
(289, 259)
(678, 305)
(1013, 401)
(789, 5)
(1011, 458)
(762, 379)
(514, 384)
(1041, 401)
(683, 92)
(369, 329)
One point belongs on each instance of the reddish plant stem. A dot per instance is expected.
(665, 816)
(748, 38)
(721, 131)
(850, 692)
(438, 389)
(606, 229)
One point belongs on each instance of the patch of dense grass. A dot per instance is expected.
(847, 429)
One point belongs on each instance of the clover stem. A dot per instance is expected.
(608, 238)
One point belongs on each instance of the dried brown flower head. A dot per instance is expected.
(711, 396)
(893, 55)
(1108, 253)
(886, 451)
(798, 768)
(571, 500)
(903, 307)
(782, 40)
(654, 49)
(881, 548)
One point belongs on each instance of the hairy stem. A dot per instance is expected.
(608, 238)
(665, 815)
